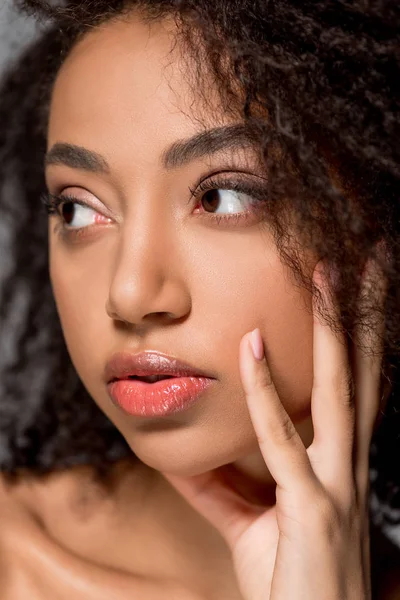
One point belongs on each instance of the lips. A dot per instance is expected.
(151, 384)
(150, 378)
(148, 364)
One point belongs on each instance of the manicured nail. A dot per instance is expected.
(257, 344)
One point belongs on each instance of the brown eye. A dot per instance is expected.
(76, 215)
(228, 201)
(210, 200)
(67, 212)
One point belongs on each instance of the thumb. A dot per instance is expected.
(212, 497)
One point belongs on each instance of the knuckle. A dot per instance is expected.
(330, 519)
(343, 384)
(282, 430)
(263, 379)
(326, 519)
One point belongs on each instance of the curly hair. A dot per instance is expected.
(326, 73)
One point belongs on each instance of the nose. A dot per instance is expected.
(147, 283)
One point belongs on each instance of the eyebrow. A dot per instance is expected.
(211, 141)
(181, 152)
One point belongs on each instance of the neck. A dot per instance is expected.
(250, 476)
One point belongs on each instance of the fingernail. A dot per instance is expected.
(257, 345)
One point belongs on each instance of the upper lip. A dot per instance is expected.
(124, 364)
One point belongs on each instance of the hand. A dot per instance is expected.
(313, 543)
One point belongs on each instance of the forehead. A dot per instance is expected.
(127, 79)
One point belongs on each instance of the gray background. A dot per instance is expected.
(15, 32)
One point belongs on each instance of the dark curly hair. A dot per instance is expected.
(326, 72)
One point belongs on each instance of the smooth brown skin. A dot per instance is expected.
(154, 274)
(212, 283)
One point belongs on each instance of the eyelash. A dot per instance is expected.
(53, 202)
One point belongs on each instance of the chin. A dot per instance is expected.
(183, 453)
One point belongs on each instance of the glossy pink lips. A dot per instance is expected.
(162, 398)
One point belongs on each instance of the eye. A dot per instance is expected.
(231, 200)
(77, 215)
(223, 201)
(73, 213)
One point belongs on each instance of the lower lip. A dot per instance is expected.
(162, 398)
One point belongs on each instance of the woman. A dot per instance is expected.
(221, 187)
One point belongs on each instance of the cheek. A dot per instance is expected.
(80, 291)
(247, 286)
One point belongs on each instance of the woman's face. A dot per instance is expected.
(146, 267)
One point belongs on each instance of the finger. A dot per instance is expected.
(332, 406)
(367, 360)
(281, 446)
(212, 497)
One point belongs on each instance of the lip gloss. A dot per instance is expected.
(162, 398)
